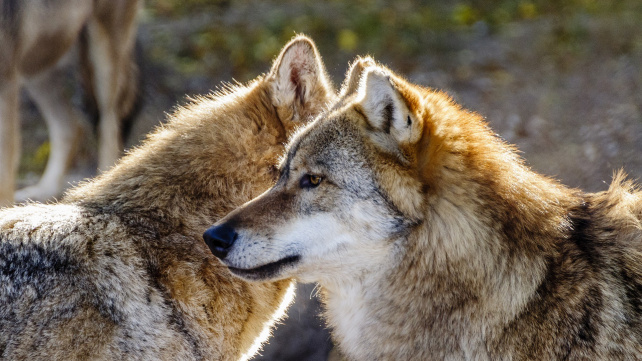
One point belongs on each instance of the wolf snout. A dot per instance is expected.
(219, 239)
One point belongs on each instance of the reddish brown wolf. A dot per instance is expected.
(432, 241)
(118, 270)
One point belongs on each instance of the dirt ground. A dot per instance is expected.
(573, 109)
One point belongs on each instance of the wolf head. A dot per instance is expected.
(237, 133)
(356, 182)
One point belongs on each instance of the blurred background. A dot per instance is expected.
(561, 79)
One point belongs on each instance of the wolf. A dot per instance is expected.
(431, 240)
(118, 268)
(37, 41)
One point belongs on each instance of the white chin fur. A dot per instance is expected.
(329, 247)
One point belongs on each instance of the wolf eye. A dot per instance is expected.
(310, 181)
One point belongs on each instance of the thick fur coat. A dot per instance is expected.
(118, 269)
(431, 240)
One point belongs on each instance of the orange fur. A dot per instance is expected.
(432, 240)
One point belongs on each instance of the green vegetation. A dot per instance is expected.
(238, 37)
(35, 162)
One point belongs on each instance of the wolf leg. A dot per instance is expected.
(63, 122)
(9, 138)
(111, 41)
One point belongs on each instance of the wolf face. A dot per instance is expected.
(334, 210)
(430, 239)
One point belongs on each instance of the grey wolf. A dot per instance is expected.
(37, 39)
(431, 240)
(118, 268)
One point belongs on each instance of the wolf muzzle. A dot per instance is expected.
(220, 238)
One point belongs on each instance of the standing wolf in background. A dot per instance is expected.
(431, 240)
(36, 40)
(118, 269)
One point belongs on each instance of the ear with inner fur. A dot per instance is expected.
(353, 76)
(300, 85)
(385, 100)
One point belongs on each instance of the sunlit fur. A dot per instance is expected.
(118, 270)
(431, 239)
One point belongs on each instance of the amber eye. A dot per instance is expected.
(310, 181)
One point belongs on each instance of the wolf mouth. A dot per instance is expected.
(266, 271)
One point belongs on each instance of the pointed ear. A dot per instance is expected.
(386, 101)
(353, 76)
(300, 85)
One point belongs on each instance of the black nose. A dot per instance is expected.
(220, 239)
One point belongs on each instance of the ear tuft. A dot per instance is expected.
(298, 76)
(353, 76)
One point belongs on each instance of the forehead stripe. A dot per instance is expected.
(291, 152)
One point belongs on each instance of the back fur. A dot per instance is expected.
(432, 240)
(118, 269)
